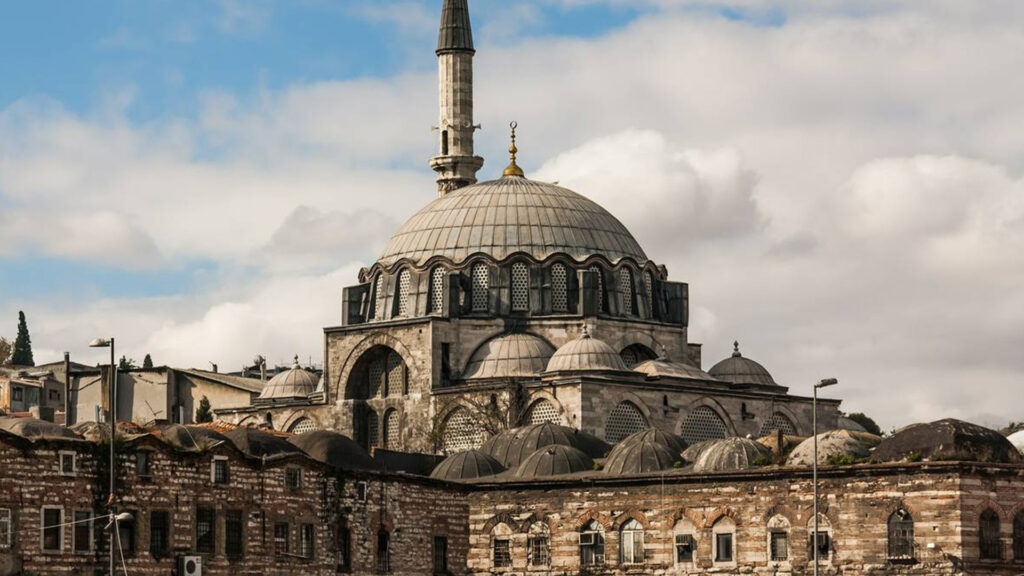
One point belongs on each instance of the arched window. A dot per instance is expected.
(444, 142)
(702, 424)
(437, 289)
(626, 290)
(378, 372)
(901, 535)
(376, 376)
(778, 538)
(1018, 536)
(989, 544)
(501, 546)
(302, 425)
(540, 412)
(378, 291)
(625, 419)
(520, 287)
(723, 541)
(392, 431)
(481, 287)
(777, 421)
(635, 354)
(823, 540)
(404, 280)
(631, 543)
(538, 545)
(600, 287)
(461, 432)
(394, 376)
(684, 539)
(372, 429)
(649, 293)
(559, 288)
(591, 544)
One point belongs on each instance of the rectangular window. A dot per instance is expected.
(159, 532)
(54, 395)
(5, 528)
(219, 471)
(344, 549)
(684, 548)
(824, 545)
(440, 555)
(17, 395)
(631, 546)
(206, 525)
(779, 546)
(234, 533)
(361, 491)
(83, 531)
(67, 463)
(591, 548)
(306, 535)
(293, 478)
(142, 465)
(502, 553)
(383, 552)
(53, 532)
(126, 534)
(723, 549)
(281, 547)
(538, 550)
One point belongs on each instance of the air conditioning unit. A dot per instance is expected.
(190, 566)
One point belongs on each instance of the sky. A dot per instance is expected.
(839, 182)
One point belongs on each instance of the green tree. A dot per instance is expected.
(204, 413)
(147, 362)
(5, 350)
(866, 421)
(126, 364)
(22, 354)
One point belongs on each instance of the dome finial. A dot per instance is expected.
(736, 349)
(513, 169)
(586, 331)
(296, 364)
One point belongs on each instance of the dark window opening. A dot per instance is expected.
(684, 548)
(293, 478)
(126, 535)
(281, 539)
(344, 549)
(502, 553)
(723, 547)
(383, 552)
(446, 361)
(142, 464)
(234, 533)
(206, 520)
(220, 471)
(440, 555)
(83, 530)
(988, 535)
(444, 143)
(1018, 536)
(52, 530)
(779, 546)
(159, 532)
(824, 544)
(901, 535)
(306, 535)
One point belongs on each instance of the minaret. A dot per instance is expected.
(455, 164)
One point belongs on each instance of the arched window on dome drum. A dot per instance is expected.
(461, 432)
(540, 412)
(703, 424)
(404, 280)
(625, 419)
(480, 293)
(559, 288)
(901, 535)
(1018, 536)
(600, 288)
(520, 287)
(626, 290)
(649, 293)
(437, 289)
(301, 426)
(378, 292)
(392, 431)
(777, 421)
(989, 543)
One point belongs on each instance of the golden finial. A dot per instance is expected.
(513, 169)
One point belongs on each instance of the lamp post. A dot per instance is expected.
(111, 502)
(814, 463)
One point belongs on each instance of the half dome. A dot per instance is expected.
(586, 354)
(467, 466)
(554, 460)
(292, 383)
(509, 356)
(507, 216)
(740, 370)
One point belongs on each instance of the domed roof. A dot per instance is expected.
(257, 444)
(665, 368)
(510, 447)
(831, 445)
(740, 370)
(731, 454)
(1017, 439)
(35, 429)
(334, 449)
(554, 460)
(844, 423)
(292, 383)
(947, 439)
(692, 452)
(642, 454)
(509, 215)
(466, 466)
(585, 354)
(673, 442)
(513, 355)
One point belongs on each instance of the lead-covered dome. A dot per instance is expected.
(509, 356)
(554, 460)
(740, 370)
(509, 215)
(292, 383)
(586, 354)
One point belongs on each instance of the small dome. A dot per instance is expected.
(740, 370)
(642, 454)
(665, 368)
(731, 454)
(692, 452)
(949, 439)
(292, 383)
(586, 354)
(673, 442)
(334, 449)
(189, 438)
(466, 466)
(509, 356)
(259, 444)
(1017, 439)
(510, 447)
(845, 423)
(34, 429)
(832, 445)
(554, 460)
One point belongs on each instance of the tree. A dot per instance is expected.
(864, 420)
(147, 362)
(204, 413)
(490, 412)
(126, 364)
(5, 350)
(22, 354)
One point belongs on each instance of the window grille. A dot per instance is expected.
(520, 287)
(303, 425)
(684, 548)
(901, 535)
(591, 545)
(404, 279)
(461, 432)
(378, 309)
(777, 421)
(392, 433)
(779, 546)
(372, 437)
(559, 288)
(649, 293)
(481, 283)
(159, 532)
(220, 471)
(293, 478)
(440, 555)
(206, 520)
(988, 535)
(631, 543)
(437, 289)
(629, 357)
(703, 424)
(234, 533)
(383, 552)
(600, 287)
(502, 553)
(306, 534)
(395, 375)
(624, 420)
(626, 289)
(538, 547)
(542, 411)
(375, 377)
(281, 539)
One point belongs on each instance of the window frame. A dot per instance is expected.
(88, 524)
(200, 546)
(439, 553)
(517, 282)
(293, 478)
(163, 547)
(344, 544)
(690, 542)
(69, 454)
(232, 517)
(144, 465)
(505, 543)
(628, 537)
(1017, 533)
(990, 550)
(129, 548)
(900, 538)
(383, 552)
(774, 535)
(220, 460)
(724, 530)
(282, 539)
(596, 545)
(307, 541)
(43, 527)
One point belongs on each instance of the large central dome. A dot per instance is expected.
(510, 215)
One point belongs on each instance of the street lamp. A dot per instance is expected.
(814, 464)
(105, 343)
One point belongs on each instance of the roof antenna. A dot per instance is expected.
(513, 169)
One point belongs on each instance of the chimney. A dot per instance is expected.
(67, 389)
